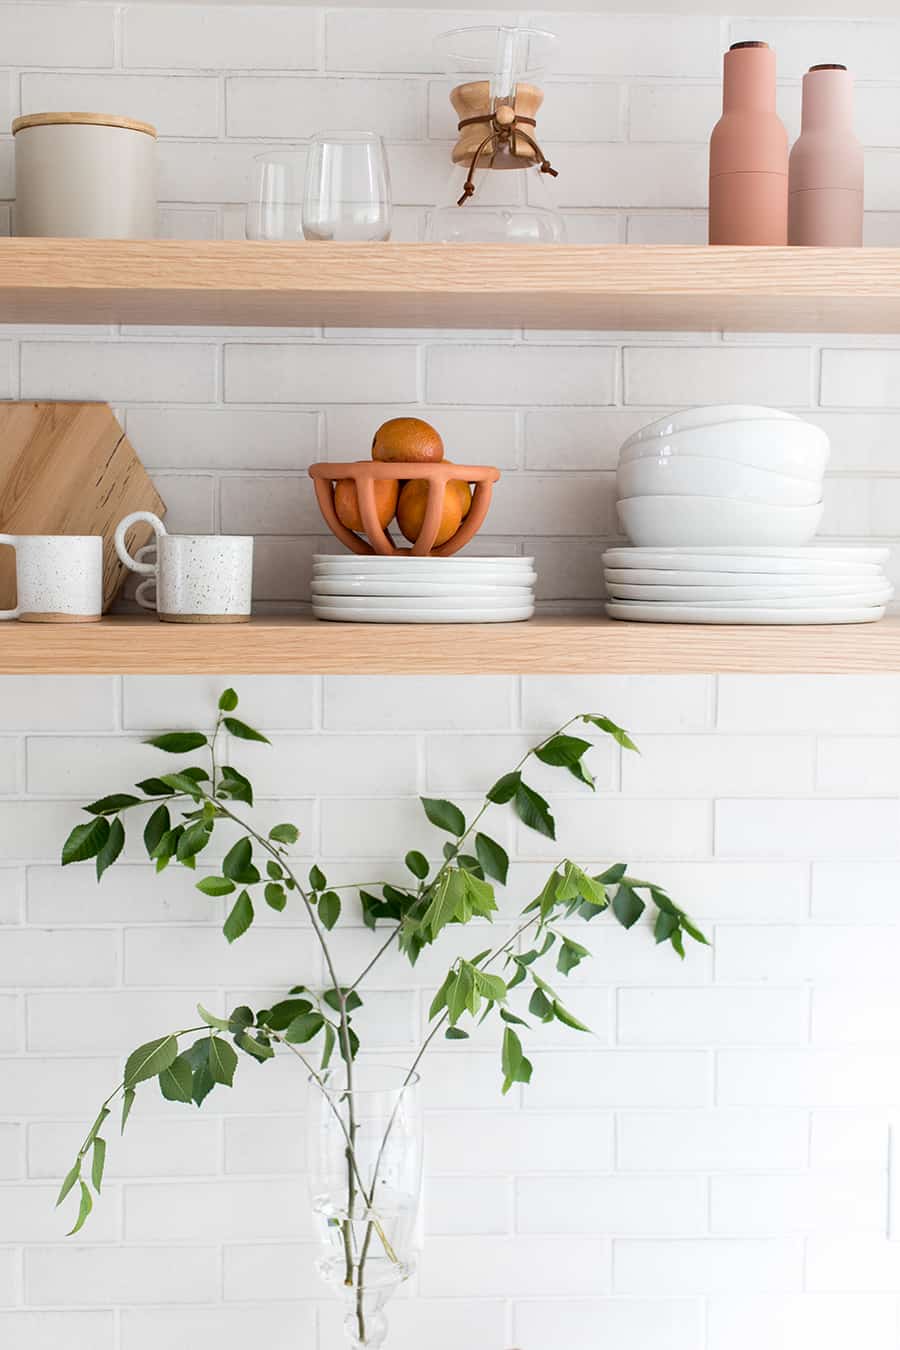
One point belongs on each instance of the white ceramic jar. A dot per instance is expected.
(84, 176)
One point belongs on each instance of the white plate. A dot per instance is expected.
(462, 590)
(716, 595)
(649, 613)
(732, 559)
(364, 561)
(866, 574)
(365, 615)
(491, 576)
(853, 601)
(448, 603)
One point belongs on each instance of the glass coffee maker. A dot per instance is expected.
(498, 190)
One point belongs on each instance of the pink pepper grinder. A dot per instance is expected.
(748, 153)
(826, 171)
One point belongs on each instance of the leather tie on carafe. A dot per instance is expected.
(500, 134)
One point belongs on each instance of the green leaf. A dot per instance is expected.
(275, 896)
(157, 826)
(417, 864)
(677, 942)
(85, 841)
(665, 926)
(154, 787)
(613, 875)
(621, 737)
(329, 909)
(516, 1068)
(150, 1059)
(456, 1034)
(317, 878)
(449, 894)
(462, 995)
(693, 931)
(562, 751)
(243, 732)
(282, 1014)
(439, 1001)
(97, 1125)
(492, 987)
(176, 1081)
(178, 742)
(493, 858)
(479, 894)
(238, 864)
(284, 834)
(512, 1018)
(444, 815)
(193, 841)
(328, 1046)
(563, 1015)
(304, 1028)
(228, 701)
(211, 1020)
(627, 906)
(222, 1061)
(539, 1005)
(112, 847)
(534, 812)
(570, 955)
(216, 886)
(274, 871)
(256, 1046)
(240, 918)
(240, 1019)
(128, 1097)
(109, 806)
(183, 784)
(73, 1175)
(98, 1162)
(236, 785)
(84, 1209)
(505, 788)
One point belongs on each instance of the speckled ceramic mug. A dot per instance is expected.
(195, 578)
(59, 578)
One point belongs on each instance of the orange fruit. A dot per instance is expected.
(411, 512)
(346, 502)
(407, 440)
(463, 492)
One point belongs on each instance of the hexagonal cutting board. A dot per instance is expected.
(69, 468)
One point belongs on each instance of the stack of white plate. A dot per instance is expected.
(350, 588)
(746, 585)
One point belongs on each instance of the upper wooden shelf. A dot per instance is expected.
(581, 645)
(623, 287)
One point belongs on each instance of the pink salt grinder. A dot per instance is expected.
(748, 153)
(826, 172)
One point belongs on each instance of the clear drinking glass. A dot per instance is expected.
(365, 1165)
(348, 187)
(275, 209)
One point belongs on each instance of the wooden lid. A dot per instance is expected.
(54, 119)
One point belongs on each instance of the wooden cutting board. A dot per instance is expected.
(69, 468)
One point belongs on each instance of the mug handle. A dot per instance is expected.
(147, 569)
(12, 541)
(144, 588)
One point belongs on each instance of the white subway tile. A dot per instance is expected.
(858, 1264)
(12, 890)
(859, 890)
(624, 44)
(176, 106)
(559, 505)
(619, 1078)
(268, 1270)
(521, 374)
(11, 1151)
(682, 375)
(514, 1266)
(816, 1202)
(9, 750)
(160, 1147)
(569, 568)
(850, 1017)
(430, 703)
(8, 381)
(866, 765)
(701, 1141)
(472, 762)
(212, 438)
(827, 1321)
(154, 958)
(27, 1214)
(190, 500)
(797, 703)
(832, 954)
(673, 112)
(53, 1087)
(269, 506)
(808, 1078)
(710, 1266)
(627, 1323)
(525, 1141)
(9, 1023)
(278, 1326)
(45, 957)
(635, 1206)
(394, 40)
(712, 1017)
(808, 829)
(760, 891)
(51, 35)
(278, 107)
(457, 1206)
(33, 1329)
(863, 46)
(219, 1210)
(714, 765)
(592, 227)
(177, 373)
(319, 374)
(849, 1139)
(332, 765)
(859, 440)
(57, 703)
(188, 702)
(640, 703)
(72, 1275)
(856, 378)
(264, 1144)
(106, 1022)
(129, 894)
(9, 1279)
(441, 1324)
(85, 767)
(667, 227)
(576, 438)
(208, 37)
(632, 829)
(635, 174)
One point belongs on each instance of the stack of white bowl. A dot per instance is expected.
(721, 503)
(354, 588)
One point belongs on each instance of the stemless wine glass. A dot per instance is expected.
(275, 210)
(348, 188)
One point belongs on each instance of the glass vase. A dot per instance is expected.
(365, 1165)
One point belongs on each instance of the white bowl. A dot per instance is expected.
(708, 416)
(685, 475)
(706, 521)
(796, 448)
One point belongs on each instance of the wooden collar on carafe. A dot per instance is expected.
(505, 125)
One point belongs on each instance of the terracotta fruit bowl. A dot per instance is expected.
(433, 505)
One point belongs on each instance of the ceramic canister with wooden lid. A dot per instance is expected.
(826, 173)
(84, 175)
(748, 153)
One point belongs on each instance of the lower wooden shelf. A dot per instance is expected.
(568, 645)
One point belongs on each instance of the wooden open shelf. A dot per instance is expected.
(630, 287)
(582, 645)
